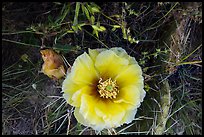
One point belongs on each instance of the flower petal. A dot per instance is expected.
(112, 113)
(83, 70)
(72, 91)
(131, 75)
(123, 54)
(93, 53)
(105, 114)
(76, 97)
(130, 95)
(80, 118)
(109, 64)
(69, 88)
(142, 95)
(129, 116)
(88, 103)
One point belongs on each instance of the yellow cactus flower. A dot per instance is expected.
(53, 65)
(106, 87)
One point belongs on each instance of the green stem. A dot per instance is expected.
(20, 43)
(97, 39)
(151, 27)
(191, 53)
(21, 32)
(111, 19)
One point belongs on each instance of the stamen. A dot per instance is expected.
(107, 88)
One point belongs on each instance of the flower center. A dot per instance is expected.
(107, 88)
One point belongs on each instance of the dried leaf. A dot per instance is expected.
(53, 65)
